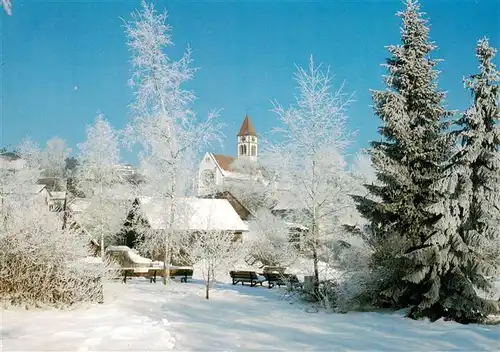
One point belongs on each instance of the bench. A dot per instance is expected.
(276, 279)
(246, 276)
(134, 272)
(183, 273)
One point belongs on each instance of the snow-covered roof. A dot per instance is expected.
(193, 214)
(8, 163)
(78, 205)
(58, 195)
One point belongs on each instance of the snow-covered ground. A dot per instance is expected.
(151, 317)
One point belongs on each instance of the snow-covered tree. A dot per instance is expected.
(54, 158)
(411, 223)
(53, 161)
(40, 263)
(476, 174)
(269, 240)
(97, 179)
(307, 159)
(164, 126)
(251, 185)
(7, 6)
(214, 253)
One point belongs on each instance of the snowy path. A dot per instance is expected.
(154, 318)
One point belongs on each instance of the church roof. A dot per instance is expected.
(224, 161)
(247, 128)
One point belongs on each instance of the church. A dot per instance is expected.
(217, 170)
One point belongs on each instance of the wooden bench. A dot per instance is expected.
(246, 276)
(134, 272)
(276, 276)
(183, 273)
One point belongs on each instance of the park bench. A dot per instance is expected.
(250, 277)
(275, 276)
(183, 273)
(134, 272)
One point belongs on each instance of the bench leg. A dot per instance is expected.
(271, 285)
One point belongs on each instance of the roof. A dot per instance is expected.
(58, 195)
(78, 205)
(201, 214)
(10, 163)
(247, 128)
(224, 161)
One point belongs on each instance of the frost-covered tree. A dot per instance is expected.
(214, 252)
(269, 240)
(476, 174)
(413, 230)
(97, 179)
(164, 126)
(54, 162)
(307, 159)
(40, 263)
(54, 158)
(251, 185)
(7, 6)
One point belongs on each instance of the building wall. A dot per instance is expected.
(208, 163)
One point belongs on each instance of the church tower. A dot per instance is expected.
(247, 140)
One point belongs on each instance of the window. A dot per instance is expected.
(254, 150)
(242, 149)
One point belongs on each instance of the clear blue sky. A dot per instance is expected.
(246, 52)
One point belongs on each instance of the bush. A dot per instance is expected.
(41, 264)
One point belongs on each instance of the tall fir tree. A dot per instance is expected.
(410, 226)
(475, 171)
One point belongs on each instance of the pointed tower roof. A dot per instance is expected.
(246, 128)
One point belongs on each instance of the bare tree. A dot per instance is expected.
(164, 126)
(308, 158)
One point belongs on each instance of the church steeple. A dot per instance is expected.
(247, 140)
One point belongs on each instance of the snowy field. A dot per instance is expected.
(150, 317)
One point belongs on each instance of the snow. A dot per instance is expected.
(201, 214)
(144, 316)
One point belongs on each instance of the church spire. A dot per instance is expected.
(246, 128)
(247, 140)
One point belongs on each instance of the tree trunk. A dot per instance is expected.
(315, 264)
(207, 286)
(166, 260)
(102, 246)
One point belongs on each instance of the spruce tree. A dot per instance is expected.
(476, 171)
(410, 225)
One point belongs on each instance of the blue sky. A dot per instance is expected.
(246, 51)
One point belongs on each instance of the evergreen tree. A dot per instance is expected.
(410, 225)
(476, 173)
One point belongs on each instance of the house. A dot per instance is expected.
(57, 201)
(239, 207)
(11, 162)
(190, 214)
